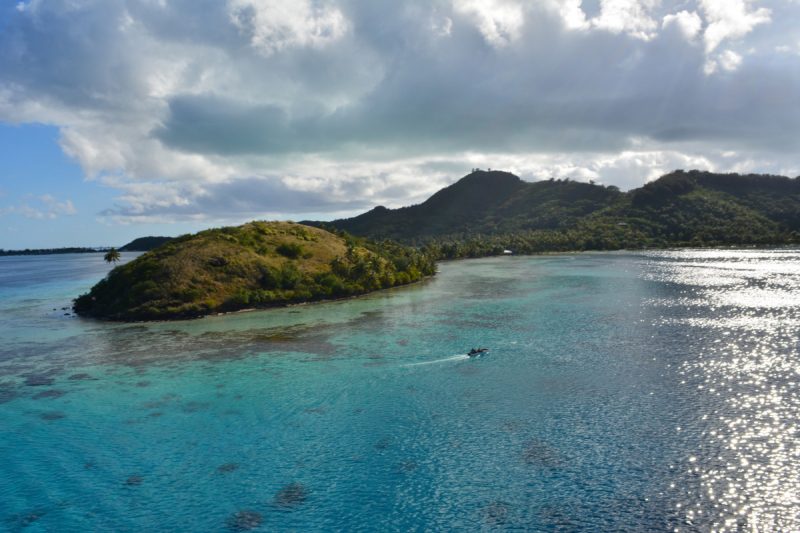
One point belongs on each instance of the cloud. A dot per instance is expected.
(730, 60)
(274, 25)
(55, 208)
(206, 110)
(52, 210)
(499, 21)
(730, 19)
(689, 24)
(630, 16)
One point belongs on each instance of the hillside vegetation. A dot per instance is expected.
(485, 213)
(258, 264)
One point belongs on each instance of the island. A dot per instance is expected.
(256, 265)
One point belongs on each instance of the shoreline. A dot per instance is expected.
(253, 309)
(426, 278)
(645, 249)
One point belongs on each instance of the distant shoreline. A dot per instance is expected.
(647, 249)
(53, 251)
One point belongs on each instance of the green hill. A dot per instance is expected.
(483, 203)
(259, 264)
(487, 212)
(144, 244)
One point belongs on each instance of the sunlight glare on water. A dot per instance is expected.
(646, 391)
(742, 309)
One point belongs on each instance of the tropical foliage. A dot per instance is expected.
(680, 209)
(259, 264)
(112, 256)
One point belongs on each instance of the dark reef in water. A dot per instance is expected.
(36, 381)
(26, 519)
(245, 520)
(7, 395)
(52, 393)
(134, 480)
(291, 495)
(193, 407)
(227, 467)
(497, 512)
(384, 443)
(541, 454)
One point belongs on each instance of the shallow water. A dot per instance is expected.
(653, 391)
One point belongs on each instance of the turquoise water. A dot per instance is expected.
(652, 391)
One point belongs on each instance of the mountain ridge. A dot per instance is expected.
(694, 208)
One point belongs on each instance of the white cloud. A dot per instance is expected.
(630, 16)
(25, 211)
(730, 60)
(53, 208)
(500, 21)
(730, 19)
(274, 25)
(251, 107)
(689, 24)
(571, 14)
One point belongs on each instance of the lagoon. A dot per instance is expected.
(631, 391)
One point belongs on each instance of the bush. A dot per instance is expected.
(292, 250)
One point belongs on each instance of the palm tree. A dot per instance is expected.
(112, 256)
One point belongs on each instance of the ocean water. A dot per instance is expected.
(648, 391)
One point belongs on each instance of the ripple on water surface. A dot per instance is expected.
(653, 391)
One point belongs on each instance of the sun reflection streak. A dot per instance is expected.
(743, 307)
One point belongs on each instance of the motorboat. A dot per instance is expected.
(473, 352)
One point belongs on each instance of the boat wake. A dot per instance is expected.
(457, 357)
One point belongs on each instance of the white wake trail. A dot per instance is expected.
(457, 357)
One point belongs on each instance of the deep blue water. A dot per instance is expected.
(652, 391)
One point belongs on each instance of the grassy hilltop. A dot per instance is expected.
(259, 264)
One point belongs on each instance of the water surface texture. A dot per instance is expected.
(652, 391)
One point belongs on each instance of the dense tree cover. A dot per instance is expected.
(259, 264)
(680, 209)
(484, 203)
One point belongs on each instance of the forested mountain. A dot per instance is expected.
(486, 212)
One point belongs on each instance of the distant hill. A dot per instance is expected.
(487, 212)
(144, 244)
(259, 264)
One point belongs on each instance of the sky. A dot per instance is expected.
(126, 118)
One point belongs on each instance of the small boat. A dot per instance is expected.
(473, 352)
